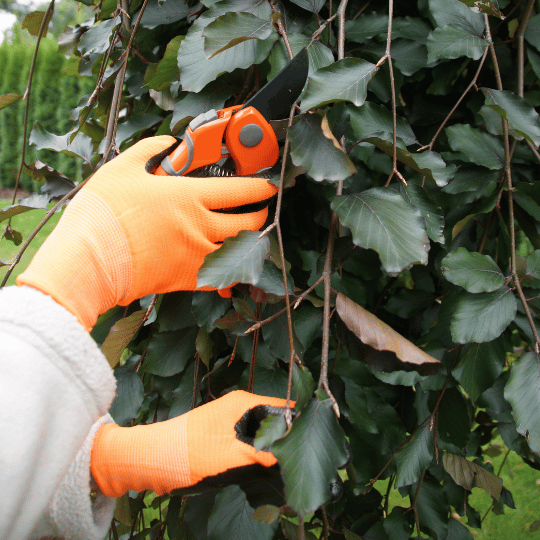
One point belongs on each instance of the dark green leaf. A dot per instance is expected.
(55, 183)
(479, 367)
(454, 421)
(34, 20)
(304, 385)
(169, 352)
(129, 398)
(204, 346)
(30, 203)
(315, 148)
(489, 7)
(468, 474)
(231, 518)
(473, 271)
(276, 334)
(97, 39)
(372, 119)
(523, 393)
(207, 307)
(380, 219)
(212, 96)
(167, 69)
(310, 5)
(345, 80)
(273, 427)
(453, 12)
(454, 42)
(158, 13)
(271, 280)
(476, 146)
(430, 210)
(233, 28)
(396, 525)
(175, 311)
(364, 28)
(432, 507)
(357, 408)
(532, 33)
(238, 260)
(415, 456)
(483, 317)
(310, 455)
(521, 117)
(307, 324)
(80, 146)
(9, 99)
(120, 335)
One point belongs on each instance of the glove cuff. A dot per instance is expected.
(141, 457)
(86, 273)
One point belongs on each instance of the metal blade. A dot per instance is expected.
(275, 98)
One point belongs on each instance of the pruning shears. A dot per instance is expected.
(241, 133)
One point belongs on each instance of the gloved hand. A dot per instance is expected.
(209, 446)
(129, 233)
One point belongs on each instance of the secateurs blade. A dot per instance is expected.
(241, 132)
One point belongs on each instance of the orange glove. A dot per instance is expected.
(209, 446)
(129, 233)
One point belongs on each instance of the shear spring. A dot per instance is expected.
(213, 170)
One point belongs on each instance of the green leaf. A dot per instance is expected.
(207, 307)
(372, 119)
(362, 29)
(523, 393)
(468, 474)
(380, 219)
(315, 148)
(9, 99)
(166, 70)
(212, 96)
(272, 428)
(303, 385)
(97, 39)
(357, 408)
(238, 260)
(30, 203)
(120, 335)
(479, 367)
(33, 21)
(345, 80)
(310, 455)
(454, 419)
(231, 518)
(453, 42)
(473, 271)
(158, 13)
(521, 117)
(489, 7)
(476, 146)
(175, 311)
(432, 507)
(233, 28)
(204, 346)
(396, 525)
(271, 280)
(483, 317)
(453, 12)
(415, 456)
(532, 33)
(310, 5)
(430, 210)
(169, 352)
(80, 146)
(129, 398)
(196, 70)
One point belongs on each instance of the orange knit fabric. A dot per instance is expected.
(177, 453)
(129, 233)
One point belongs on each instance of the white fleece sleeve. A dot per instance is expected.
(55, 390)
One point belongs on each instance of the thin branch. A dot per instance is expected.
(508, 174)
(520, 38)
(415, 499)
(449, 115)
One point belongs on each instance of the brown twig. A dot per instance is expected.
(511, 225)
(413, 506)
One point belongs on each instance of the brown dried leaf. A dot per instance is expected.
(378, 335)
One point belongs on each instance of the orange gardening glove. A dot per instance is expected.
(129, 233)
(209, 446)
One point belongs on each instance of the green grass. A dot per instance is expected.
(25, 224)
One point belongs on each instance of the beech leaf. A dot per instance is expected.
(468, 474)
(120, 335)
(415, 456)
(380, 219)
(377, 334)
(523, 392)
(8, 99)
(239, 260)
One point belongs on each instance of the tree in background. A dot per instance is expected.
(394, 295)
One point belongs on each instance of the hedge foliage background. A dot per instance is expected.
(397, 284)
